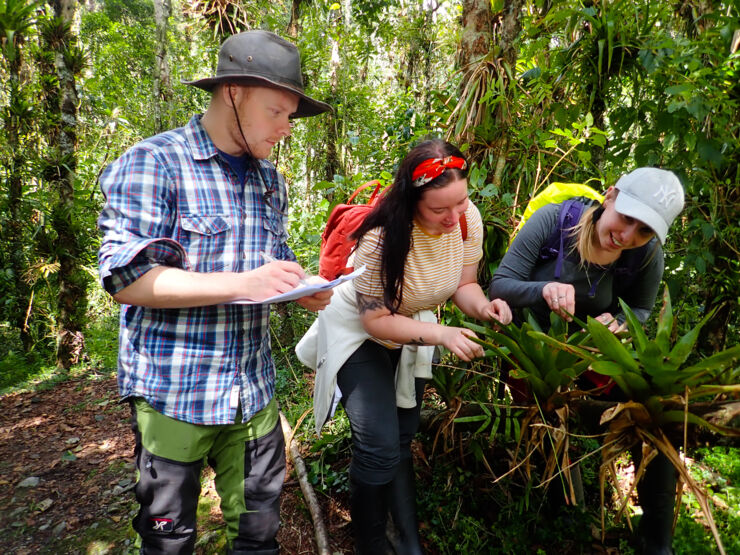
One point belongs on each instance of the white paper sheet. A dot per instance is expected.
(306, 290)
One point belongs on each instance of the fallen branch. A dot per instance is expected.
(322, 538)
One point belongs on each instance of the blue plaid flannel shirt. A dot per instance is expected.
(173, 200)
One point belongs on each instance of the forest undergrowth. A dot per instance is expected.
(68, 474)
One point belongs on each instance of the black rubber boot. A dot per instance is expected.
(369, 510)
(657, 495)
(404, 534)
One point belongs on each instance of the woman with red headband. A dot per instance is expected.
(372, 347)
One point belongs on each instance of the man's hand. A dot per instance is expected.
(272, 279)
(561, 298)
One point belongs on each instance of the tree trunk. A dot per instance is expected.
(483, 67)
(72, 278)
(331, 168)
(162, 82)
(295, 14)
(13, 234)
(15, 122)
(477, 32)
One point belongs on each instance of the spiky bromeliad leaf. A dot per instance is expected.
(665, 324)
(683, 347)
(679, 416)
(567, 347)
(607, 368)
(716, 363)
(651, 358)
(635, 327)
(639, 386)
(610, 346)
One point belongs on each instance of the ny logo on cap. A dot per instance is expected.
(665, 196)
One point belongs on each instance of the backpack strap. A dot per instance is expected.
(463, 226)
(554, 247)
(364, 186)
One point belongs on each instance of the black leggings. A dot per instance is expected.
(381, 432)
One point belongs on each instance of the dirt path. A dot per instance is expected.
(67, 473)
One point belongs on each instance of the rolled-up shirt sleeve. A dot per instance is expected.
(137, 221)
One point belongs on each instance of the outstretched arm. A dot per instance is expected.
(168, 287)
(381, 324)
(470, 298)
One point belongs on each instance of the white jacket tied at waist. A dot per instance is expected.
(336, 334)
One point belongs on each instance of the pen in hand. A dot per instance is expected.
(269, 258)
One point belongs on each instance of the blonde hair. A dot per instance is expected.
(585, 237)
(585, 234)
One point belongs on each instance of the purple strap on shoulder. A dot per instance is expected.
(570, 213)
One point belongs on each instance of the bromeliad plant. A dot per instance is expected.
(539, 358)
(664, 392)
(550, 370)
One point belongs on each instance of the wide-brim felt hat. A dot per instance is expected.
(264, 59)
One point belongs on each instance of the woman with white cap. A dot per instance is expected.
(582, 267)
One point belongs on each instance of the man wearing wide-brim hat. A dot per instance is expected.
(194, 222)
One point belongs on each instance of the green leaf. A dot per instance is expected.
(477, 328)
(678, 416)
(640, 387)
(610, 346)
(582, 353)
(667, 382)
(683, 347)
(540, 387)
(533, 349)
(635, 326)
(665, 324)
(718, 361)
(607, 368)
(554, 379)
(624, 386)
(651, 357)
(684, 88)
(520, 358)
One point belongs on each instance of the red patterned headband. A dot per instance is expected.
(431, 168)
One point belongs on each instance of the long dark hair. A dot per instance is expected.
(395, 214)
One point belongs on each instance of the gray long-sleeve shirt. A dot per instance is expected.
(522, 275)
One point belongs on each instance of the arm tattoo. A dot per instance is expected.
(366, 303)
(420, 341)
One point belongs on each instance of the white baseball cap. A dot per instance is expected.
(651, 195)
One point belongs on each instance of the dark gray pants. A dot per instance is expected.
(381, 432)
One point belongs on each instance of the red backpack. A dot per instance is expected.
(344, 220)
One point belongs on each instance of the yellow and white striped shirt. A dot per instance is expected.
(433, 266)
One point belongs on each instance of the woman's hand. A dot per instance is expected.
(561, 298)
(498, 310)
(457, 341)
(317, 301)
(611, 322)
